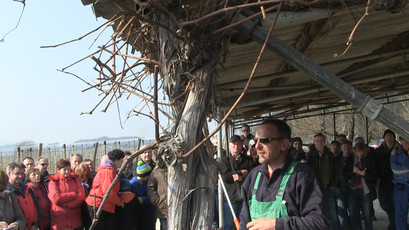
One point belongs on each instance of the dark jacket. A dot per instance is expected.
(11, 211)
(28, 203)
(383, 166)
(157, 190)
(305, 200)
(368, 164)
(232, 166)
(313, 160)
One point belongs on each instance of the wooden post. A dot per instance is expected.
(139, 144)
(95, 151)
(134, 145)
(64, 151)
(40, 150)
(105, 148)
(18, 154)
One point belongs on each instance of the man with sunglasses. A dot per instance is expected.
(42, 165)
(247, 137)
(281, 193)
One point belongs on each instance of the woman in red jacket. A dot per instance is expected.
(106, 173)
(66, 195)
(33, 179)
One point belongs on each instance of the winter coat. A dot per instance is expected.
(383, 165)
(45, 205)
(102, 181)
(10, 210)
(230, 166)
(66, 195)
(157, 191)
(28, 203)
(400, 166)
(313, 160)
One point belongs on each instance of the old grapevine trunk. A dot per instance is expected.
(189, 62)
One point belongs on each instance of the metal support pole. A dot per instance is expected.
(219, 187)
(335, 125)
(367, 130)
(367, 105)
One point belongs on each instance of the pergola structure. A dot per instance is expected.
(376, 63)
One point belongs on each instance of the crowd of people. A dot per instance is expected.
(31, 198)
(271, 183)
(330, 186)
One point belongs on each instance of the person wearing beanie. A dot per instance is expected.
(297, 152)
(146, 212)
(383, 166)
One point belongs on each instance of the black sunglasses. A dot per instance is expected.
(266, 140)
(43, 164)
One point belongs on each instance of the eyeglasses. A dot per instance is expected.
(266, 140)
(44, 164)
(245, 130)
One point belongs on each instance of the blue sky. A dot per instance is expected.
(40, 103)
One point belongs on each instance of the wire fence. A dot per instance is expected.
(93, 151)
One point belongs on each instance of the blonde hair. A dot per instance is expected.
(79, 169)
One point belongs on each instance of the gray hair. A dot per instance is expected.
(13, 165)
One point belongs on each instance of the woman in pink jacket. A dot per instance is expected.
(66, 195)
(106, 173)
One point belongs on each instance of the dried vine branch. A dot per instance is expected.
(242, 93)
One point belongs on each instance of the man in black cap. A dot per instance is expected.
(235, 168)
(385, 174)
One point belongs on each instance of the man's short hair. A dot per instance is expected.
(283, 129)
(76, 154)
(246, 126)
(319, 135)
(346, 142)
(341, 135)
(13, 165)
(30, 158)
(40, 158)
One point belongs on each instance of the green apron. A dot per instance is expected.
(271, 209)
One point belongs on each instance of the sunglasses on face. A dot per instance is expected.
(266, 140)
(44, 164)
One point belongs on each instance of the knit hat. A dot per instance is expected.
(125, 191)
(143, 169)
(388, 131)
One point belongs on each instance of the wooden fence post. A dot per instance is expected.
(139, 144)
(64, 153)
(40, 149)
(95, 151)
(18, 154)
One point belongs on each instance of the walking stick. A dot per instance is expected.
(235, 220)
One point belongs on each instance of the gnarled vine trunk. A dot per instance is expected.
(189, 62)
